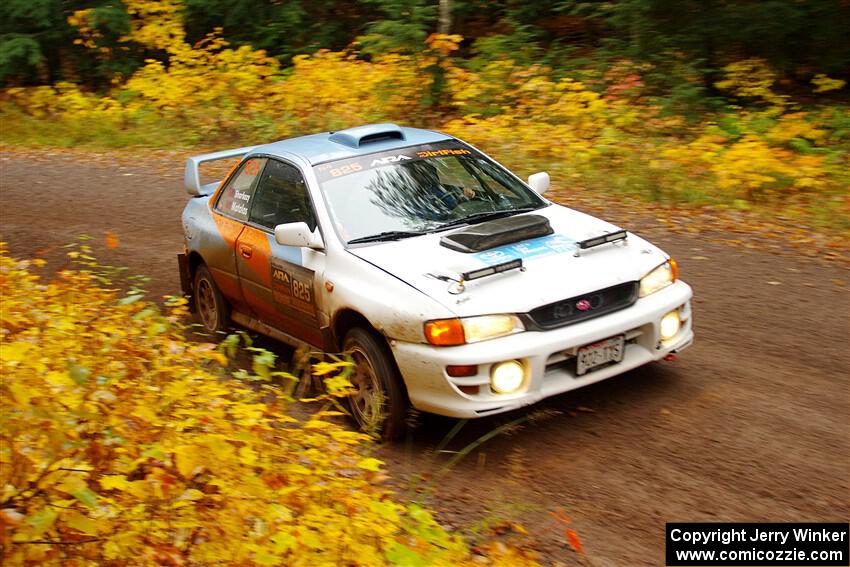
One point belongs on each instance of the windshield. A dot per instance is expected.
(409, 191)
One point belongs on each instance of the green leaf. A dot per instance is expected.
(403, 556)
(78, 374)
(144, 313)
(130, 299)
(801, 145)
(87, 497)
(42, 520)
(419, 514)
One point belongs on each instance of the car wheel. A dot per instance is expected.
(380, 402)
(210, 306)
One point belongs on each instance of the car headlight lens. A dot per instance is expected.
(507, 377)
(670, 325)
(450, 332)
(490, 326)
(659, 278)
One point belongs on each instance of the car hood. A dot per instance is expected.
(551, 271)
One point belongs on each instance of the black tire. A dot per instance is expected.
(211, 310)
(381, 402)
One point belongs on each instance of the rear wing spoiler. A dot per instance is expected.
(192, 176)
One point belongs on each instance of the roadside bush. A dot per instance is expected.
(123, 443)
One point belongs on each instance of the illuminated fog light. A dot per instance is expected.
(507, 377)
(670, 325)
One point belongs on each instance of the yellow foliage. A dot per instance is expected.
(600, 134)
(65, 100)
(825, 84)
(795, 125)
(751, 78)
(331, 90)
(122, 441)
(212, 86)
(156, 24)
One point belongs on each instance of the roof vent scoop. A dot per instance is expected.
(362, 135)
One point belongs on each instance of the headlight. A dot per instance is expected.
(670, 325)
(507, 377)
(659, 278)
(450, 332)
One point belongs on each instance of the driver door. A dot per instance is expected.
(280, 282)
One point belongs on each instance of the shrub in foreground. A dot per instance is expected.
(121, 443)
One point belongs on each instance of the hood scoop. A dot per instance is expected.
(499, 232)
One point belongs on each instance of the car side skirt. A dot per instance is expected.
(265, 329)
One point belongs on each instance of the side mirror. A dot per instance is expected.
(539, 182)
(298, 234)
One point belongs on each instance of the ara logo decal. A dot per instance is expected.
(583, 305)
(389, 159)
(279, 275)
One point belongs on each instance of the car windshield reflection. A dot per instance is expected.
(414, 196)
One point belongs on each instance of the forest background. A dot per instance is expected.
(713, 105)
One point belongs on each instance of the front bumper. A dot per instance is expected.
(549, 357)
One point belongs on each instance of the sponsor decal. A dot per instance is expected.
(444, 152)
(528, 249)
(340, 168)
(252, 167)
(292, 290)
(388, 160)
(240, 202)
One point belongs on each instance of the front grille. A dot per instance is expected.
(584, 307)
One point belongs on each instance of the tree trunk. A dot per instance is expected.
(444, 23)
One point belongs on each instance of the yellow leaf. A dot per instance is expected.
(114, 482)
(139, 489)
(145, 413)
(59, 378)
(370, 464)
(81, 523)
(72, 483)
(191, 494)
(247, 455)
(187, 459)
(322, 368)
(21, 394)
(15, 352)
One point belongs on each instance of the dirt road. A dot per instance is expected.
(750, 424)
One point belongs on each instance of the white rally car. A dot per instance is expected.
(456, 287)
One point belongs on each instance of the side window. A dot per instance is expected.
(236, 198)
(282, 197)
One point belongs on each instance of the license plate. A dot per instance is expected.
(603, 352)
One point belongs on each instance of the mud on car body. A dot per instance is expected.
(457, 287)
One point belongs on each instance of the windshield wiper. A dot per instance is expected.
(387, 235)
(485, 216)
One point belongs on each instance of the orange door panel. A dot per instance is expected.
(277, 287)
(220, 257)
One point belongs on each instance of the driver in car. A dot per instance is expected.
(440, 198)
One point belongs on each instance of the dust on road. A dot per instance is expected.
(750, 424)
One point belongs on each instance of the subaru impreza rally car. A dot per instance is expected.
(456, 287)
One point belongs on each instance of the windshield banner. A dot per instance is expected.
(339, 168)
